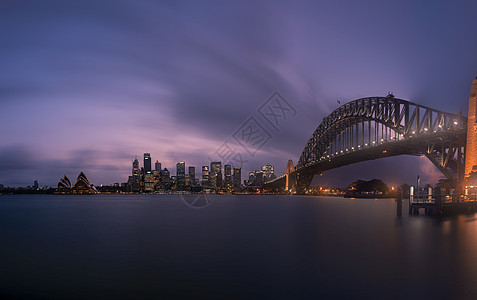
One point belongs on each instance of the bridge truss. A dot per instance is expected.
(376, 127)
(393, 127)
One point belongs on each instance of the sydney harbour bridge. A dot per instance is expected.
(378, 127)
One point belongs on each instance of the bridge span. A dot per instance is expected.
(377, 127)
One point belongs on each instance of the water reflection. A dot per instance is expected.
(258, 247)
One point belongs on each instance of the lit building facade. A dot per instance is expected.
(268, 172)
(237, 177)
(471, 147)
(192, 175)
(205, 176)
(228, 176)
(157, 166)
(147, 162)
(180, 176)
(216, 174)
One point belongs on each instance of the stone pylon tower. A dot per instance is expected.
(471, 147)
(290, 184)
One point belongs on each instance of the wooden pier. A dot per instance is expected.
(435, 205)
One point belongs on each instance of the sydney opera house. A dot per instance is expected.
(82, 186)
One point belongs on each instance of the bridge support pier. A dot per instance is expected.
(303, 182)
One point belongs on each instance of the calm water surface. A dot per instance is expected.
(240, 247)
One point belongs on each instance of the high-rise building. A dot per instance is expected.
(192, 175)
(205, 175)
(165, 181)
(227, 175)
(216, 174)
(157, 166)
(135, 168)
(180, 175)
(237, 179)
(268, 172)
(149, 182)
(135, 178)
(157, 179)
(35, 185)
(147, 162)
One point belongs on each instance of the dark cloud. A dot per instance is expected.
(178, 78)
(20, 165)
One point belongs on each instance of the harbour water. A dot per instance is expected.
(239, 247)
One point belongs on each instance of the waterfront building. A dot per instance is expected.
(157, 166)
(82, 182)
(256, 178)
(228, 176)
(149, 182)
(135, 180)
(180, 176)
(35, 185)
(165, 181)
(64, 183)
(205, 176)
(268, 172)
(216, 174)
(157, 178)
(81, 186)
(147, 162)
(192, 175)
(237, 177)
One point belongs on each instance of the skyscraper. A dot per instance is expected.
(180, 175)
(227, 175)
(268, 172)
(135, 168)
(158, 166)
(165, 181)
(216, 174)
(147, 163)
(135, 179)
(237, 176)
(192, 175)
(205, 175)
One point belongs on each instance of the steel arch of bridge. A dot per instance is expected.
(377, 125)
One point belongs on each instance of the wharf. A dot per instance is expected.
(437, 206)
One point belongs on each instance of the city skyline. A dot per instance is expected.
(85, 89)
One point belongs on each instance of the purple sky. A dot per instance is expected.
(88, 85)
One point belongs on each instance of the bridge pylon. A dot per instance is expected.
(471, 147)
(290, 181)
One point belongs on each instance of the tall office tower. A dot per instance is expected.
(157, 166)
(259, 178)
(216, 174)
(251, 178)
(187, 181)
(149, 182)
(180, 175)
(205, 175)
(237, 179)
(471, 148)
(135, 168)
(35, 185)
(157, 179)
(135, 180)
(227, 175)
(165, 181)
(147, 162)
(268, 172)
(192, 175)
